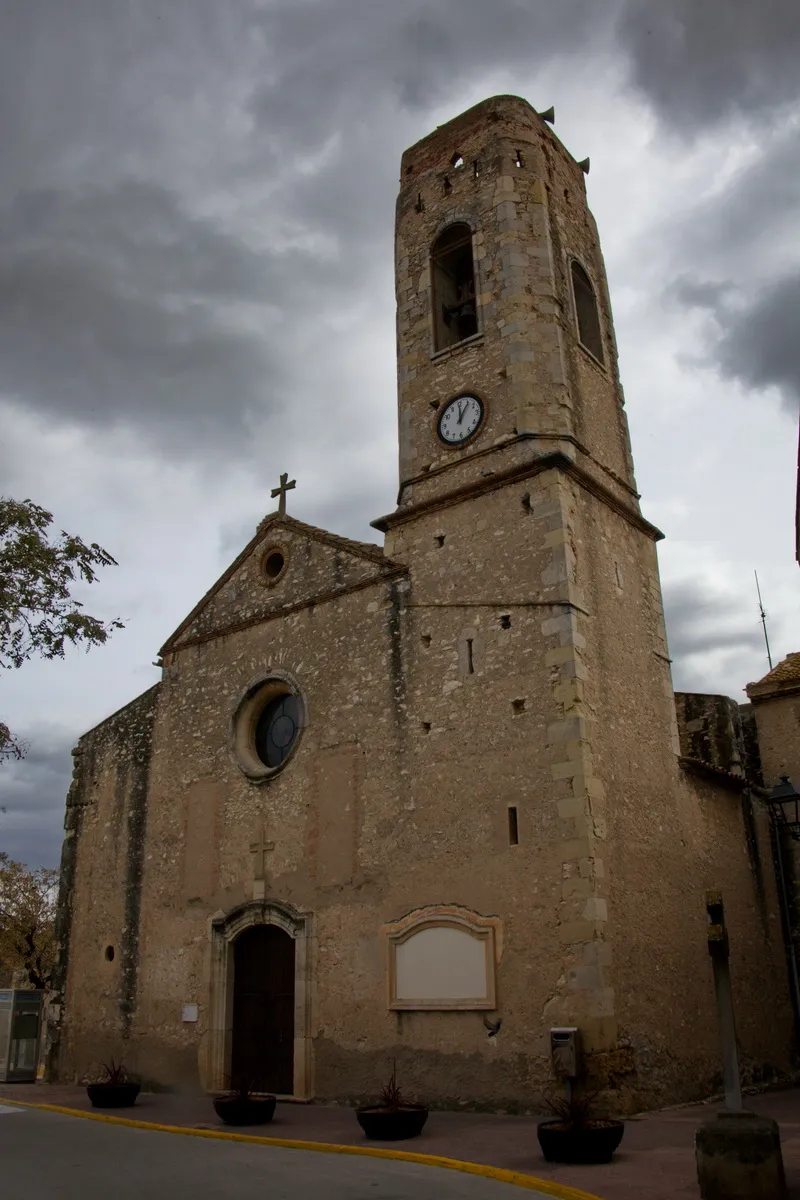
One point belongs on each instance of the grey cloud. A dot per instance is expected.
(161, 212)
(330, 61)
(752, 338)
(745, 272)
(760, 345)
(119, 307)
(701, 63)
(749, 225)
(33, 793)
(701, 621)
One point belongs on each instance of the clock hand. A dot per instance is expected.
(461, 412)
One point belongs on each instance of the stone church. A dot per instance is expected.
(426, 800)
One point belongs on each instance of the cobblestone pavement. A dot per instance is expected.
(654, 1162)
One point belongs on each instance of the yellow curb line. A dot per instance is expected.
(558, 1190)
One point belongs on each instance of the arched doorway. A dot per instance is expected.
(225, 930)
(262, 1042)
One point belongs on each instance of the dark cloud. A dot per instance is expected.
(705, 625)
(702, 63)
(117, 307)
(760, 344)
(191, 193)
(751, 338)
(327, 61)
(33, 794)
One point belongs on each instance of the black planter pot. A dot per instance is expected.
(392, 1125)
(245, 1110)
(592, 1143)
(113, 1095)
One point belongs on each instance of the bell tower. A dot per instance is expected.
(529, 638)
(501, 300)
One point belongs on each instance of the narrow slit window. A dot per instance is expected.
(513, 826)
(453, 276)
(470, 660)
(586, 313)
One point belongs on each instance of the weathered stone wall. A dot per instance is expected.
(778, 720)
(670, 837)
(710, 729)
(100, 900)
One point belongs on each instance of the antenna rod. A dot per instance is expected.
(763, 620)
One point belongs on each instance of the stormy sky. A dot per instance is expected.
(196, 222)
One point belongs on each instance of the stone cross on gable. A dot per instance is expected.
(281, 491)
(260, 849)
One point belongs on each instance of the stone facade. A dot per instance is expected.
(489, 751)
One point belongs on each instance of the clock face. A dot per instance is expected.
(459, 419)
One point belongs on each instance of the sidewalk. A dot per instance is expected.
(654, 1162)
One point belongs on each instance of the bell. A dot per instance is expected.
(467, 310)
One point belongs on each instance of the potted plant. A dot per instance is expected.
(393, 1117)
(115, 1089)
(241, 1106)
(575, 1134)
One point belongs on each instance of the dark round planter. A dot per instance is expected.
(594, 1142)
(245, 1110)
(113, 1095)
(392, 1124)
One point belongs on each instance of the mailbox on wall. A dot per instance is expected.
(565, 1050)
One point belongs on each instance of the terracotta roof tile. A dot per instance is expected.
(782, 678)
(698, 766)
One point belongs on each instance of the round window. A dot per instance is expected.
(277, 729)
(267, 725)
(273, 565)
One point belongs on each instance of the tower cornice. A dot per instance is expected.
(556, 460)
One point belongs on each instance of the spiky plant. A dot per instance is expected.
(391, 1096)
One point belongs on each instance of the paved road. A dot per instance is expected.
(51, 1156)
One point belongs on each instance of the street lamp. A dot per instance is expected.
(784, 804)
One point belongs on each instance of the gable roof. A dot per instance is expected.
(364, 550)
(783, 678)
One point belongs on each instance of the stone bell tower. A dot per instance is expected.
(501, 292)
(534, 642)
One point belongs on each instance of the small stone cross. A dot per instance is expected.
(282, 490)
(259, 849)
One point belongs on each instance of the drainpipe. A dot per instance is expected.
(786, 921)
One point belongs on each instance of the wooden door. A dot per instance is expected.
(263, 1009)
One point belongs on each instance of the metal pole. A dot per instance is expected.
(763, 620)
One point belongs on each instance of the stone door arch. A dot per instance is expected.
(225, 928)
